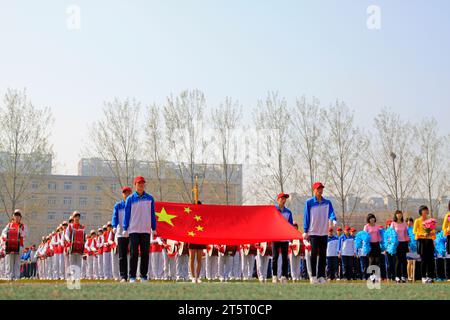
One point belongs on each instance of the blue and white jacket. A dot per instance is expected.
(139, 214)
(117, 217)
(347, 245)
(316, 216)
(286, 213)
(332, 246)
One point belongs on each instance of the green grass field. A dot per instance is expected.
(29, 289)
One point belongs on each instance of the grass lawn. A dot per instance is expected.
(29, 289)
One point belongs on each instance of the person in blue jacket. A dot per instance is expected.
(139, 223)
(122, 241)
(318, 217)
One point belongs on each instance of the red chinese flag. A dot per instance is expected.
(219, 224)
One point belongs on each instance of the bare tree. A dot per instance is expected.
(343, 158)
(115, 139)
(185, 122)
(225, 121)
(306, 137)
(24, 146)
(433, 170)
(155, 146)
(275, 162)
(394, 164)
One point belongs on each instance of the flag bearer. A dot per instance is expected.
(74, 258)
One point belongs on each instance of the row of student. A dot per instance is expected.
(134, 222)
(134, 225)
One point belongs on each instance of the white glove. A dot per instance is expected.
(114, 230)
(125, 234)
(334, 223)
(306, 236)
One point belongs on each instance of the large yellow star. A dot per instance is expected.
(191, 233)
(187, 210)
(198, 218)
(163, 216)
(199, 228)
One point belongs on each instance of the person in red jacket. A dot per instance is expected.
(74, 258)
(13, 257)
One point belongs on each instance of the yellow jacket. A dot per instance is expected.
(419, 231)
(446, 225)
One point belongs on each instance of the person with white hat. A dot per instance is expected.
(74, 258)
(107, 259)
(99, 246)
(13, 257)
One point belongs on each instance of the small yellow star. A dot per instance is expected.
(198, 218)
(191, 234)
(187, 210)
(199, 228)
(163, 216)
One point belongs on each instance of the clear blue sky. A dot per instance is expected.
(148, 49)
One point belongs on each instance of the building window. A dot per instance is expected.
(98, 201)
(83, 186)
(66, 215)
(34, 185)
(52, 200)
(83, 201)
(33, 215)
(83, 216)
(98, 188)
(51, 216)
(52, 186)
(97, 216)
(67, 185)
(67, 200)
(34, 199)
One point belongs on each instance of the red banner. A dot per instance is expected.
(220, 224)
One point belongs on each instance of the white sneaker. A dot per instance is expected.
(123, 280)
(322, 280)
(132, 280)
(274, 279)
(424, 280)
(199, 280)
(194, 280)
(283, 280)
(143, 280)
(313, 280)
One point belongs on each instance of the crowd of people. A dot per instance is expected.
(128, 248)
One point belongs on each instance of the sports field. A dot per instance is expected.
(29, 289)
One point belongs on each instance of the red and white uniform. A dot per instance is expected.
(170, 264)
(99, 245)
(156, 258)
(262, 261)
(107, 260)
(248, 261)
(12, 260)
(75, 260)
(294, 260)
